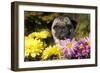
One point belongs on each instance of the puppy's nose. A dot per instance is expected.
(63, 31)
(62, 36)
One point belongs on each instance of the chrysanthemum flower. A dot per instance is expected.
(28, 42)
(27, 52)
(33, 47)
(51, 52)
(68, 47)
(43, 34)
(84, 48)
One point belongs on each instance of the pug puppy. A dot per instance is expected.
(63, 28)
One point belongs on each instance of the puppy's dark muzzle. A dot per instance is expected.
(63, 35)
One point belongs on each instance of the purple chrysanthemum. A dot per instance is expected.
(72, 49)
(68, 48)
(83, 48)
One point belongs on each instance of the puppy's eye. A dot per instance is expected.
(55, 27)
(69, 26)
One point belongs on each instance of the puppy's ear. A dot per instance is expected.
(74, 23)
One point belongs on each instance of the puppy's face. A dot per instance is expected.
(63, 28)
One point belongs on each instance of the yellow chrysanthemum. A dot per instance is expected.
(28, 42)
(50, 51)
(44, 33)
(33, 46)
(28, 45)
(37, 47)
(27, 52)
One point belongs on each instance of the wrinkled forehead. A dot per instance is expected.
(62, 20)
